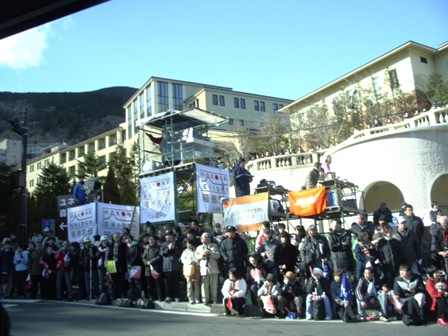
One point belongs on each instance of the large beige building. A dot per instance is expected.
(387, 86)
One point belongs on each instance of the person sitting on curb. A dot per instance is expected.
(234, 293)
(318, 289)
(268, 297)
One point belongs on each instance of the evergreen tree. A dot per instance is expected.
(54, 182)
(111, 192)
(437, 90)
(91, 165)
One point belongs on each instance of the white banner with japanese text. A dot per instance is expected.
(212, 185)
(113, 218)
(157, 198)
(81, 222)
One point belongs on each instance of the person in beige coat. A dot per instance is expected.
(207, 255)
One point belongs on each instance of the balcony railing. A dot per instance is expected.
(296, 160)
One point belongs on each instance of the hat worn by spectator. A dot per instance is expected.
(46, 230)
(169, 233)
(217, 225)
(312, 227)
(267, 231)
(270, 277)
(401, 219)
(230, 229)
(104, 238)
(318, 271)
(86, 240)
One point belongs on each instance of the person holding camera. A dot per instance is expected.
(207, 255)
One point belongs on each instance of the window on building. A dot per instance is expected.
(80, 152)
(91, 147)
(178, 100)
(38, 180)
(142, 104)
(31, 183)
(71, 155)
(424, 60)
(393, 79)
(71, 171)
(62, 158)
(236, 102)
(101, 144)
(148, 101)
(256, 105)
(222, 101)
(241, 122)
(215, 99)
(262, 106)
(163, 96)
(275, 106)
(112, 140)
(39, 165)
(243, 103)
(280, 106)
(31, 168)
(230, 121)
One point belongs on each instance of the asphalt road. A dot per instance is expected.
(75, 319)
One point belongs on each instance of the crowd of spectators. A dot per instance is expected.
(304, 274)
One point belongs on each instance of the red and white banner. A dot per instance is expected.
(309, 202)
(81, 222)
(246, 213)
(212, 185)
(157, 198)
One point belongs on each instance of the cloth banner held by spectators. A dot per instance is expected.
(113, 218)
(135, 272)
(157, 198)
(306, 203)
(246, 213)
(212, 184)
(81, 222)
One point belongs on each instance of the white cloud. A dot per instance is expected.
(25, 50)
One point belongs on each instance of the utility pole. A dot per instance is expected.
(22, 129)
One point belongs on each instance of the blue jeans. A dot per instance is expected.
(66, 276)
(380, 301)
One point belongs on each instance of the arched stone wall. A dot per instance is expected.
(439, 192)
(382, 191)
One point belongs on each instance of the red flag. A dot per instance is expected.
(307, 202)
(229, 304)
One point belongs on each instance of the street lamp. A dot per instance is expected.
(21, 129)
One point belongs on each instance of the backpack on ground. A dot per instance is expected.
(412, 314)
(104, 300)
(318, 310)
(126, 303)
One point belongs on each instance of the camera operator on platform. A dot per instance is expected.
(241, 178)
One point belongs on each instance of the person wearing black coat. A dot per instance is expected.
(285, 255)
(314, 249)
(234, 251)
(340, 244)
(153, 271)
(88, 259)
(118, 252)
(390, 254)
(256, 273)
(171, 250)
(134, 260)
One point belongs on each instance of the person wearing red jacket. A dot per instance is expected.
(437, 289)
(63, 267)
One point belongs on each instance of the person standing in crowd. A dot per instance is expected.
(437, 298)
(63, 266)
(366, 254)
(340, 244)
(234, 290)
(7, 268)
(153, 270)
(207, 255)
(314, 249)
(234, 251)
(117, 253)
(312, 179)
(410, 244)
(134, 259)
(171, 251)
(102, 257)
(217, 236)
(49, 275)
(285, 255)
(79, 193)
(362, 224)
(390, 253)
(190, 269)
(88, 259)
(267, 251)
(439, 243)
(413, 222)
(384, 211)
(21, 258)
(433, 212)
(241, 178)
(35, 269)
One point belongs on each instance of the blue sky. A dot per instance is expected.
(283, 48)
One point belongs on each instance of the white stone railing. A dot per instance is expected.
(433, 117)
(296, 160)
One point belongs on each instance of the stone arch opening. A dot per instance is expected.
(439, 194)
(382, 191)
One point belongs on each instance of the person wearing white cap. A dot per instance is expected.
(102, 253)
(318, 290)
